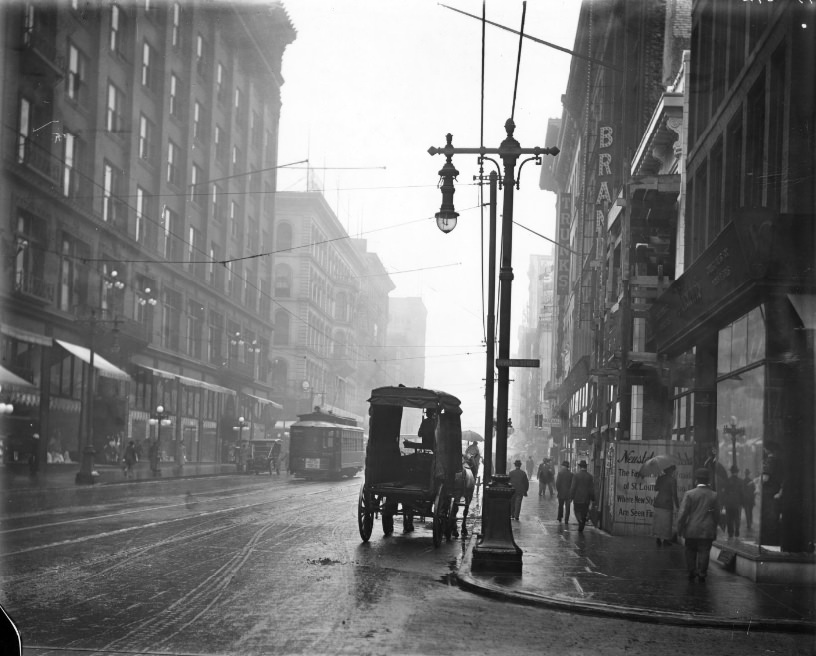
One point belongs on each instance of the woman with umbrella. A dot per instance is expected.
(666, 503)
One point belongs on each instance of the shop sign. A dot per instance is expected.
(564, 222)
(702, 288)
(630, 497)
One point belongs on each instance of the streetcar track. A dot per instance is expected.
(155, 524)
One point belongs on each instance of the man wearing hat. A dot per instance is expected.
(697, 523)
(563, 483)
(582, 494)
(520, 484)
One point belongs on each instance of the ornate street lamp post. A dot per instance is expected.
(497, 550)
(161, 418)
(242, 424)
(734, 431)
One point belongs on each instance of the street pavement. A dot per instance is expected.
(631, 577)
(590, 572)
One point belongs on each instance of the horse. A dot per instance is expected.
(464, 485)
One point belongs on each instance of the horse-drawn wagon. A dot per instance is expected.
(422, 478)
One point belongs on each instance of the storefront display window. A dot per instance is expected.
(748, 505)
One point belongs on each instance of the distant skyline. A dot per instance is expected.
(372, 84)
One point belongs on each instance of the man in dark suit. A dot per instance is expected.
(697, 523)
(582, 494)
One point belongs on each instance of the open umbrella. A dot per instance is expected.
(655, 466)
(471, 436)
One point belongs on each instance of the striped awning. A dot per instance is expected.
(104, 367)
(186, 380)
(11, 379)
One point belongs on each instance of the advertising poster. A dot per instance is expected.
(630, 495)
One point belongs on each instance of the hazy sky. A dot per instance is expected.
(375, 83)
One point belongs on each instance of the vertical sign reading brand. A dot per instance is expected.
(564, 221)
(603, 199)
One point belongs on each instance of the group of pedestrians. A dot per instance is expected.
(576, 489)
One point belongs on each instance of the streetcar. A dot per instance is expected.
(325, 446)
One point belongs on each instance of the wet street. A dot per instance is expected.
(270, 565)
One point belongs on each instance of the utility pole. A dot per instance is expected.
(497, 550)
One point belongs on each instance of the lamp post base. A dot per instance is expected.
(497, 551)
(86, 474)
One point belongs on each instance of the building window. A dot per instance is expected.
(215, 338)
(196, 174)
(220, 144)
(217, 208)
(283, 281)
(233, 218)
(280, 336)
(70, 155)
(115, 42)
(73, 275)
(111, 186)
(141, 210)
(174, 102)
(113, 116)
(195, 322)
(256, 130)
(219, 82)
(77, 65)
(194, 250)
(197, 121)
(175, 36)
(149, 73)
(284, 234)
(239, 114)
(636, 421)
(236, 158)
(147, 133)
(29, 261)
(201, 55)
(24, 129)
(173, 156)
(171, 319)
(170, 227)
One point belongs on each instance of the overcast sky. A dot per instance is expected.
(374, 84)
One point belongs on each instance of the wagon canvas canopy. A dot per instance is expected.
(415, 397)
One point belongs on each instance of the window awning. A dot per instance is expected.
(13, 380)
(260, 399)
(25, 335)
(186, 380)
(104, 367)
(805, 306)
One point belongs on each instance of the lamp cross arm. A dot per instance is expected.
(450, 150)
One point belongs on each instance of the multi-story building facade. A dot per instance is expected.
(627, 54)
(138, 180)
(736, 326)
(330, 311)
(407, 327)
(531, 414)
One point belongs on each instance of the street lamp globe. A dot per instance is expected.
(159, 409)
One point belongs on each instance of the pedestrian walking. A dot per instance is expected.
(748, 499)
(732, 500)
(540, 477)
(666, 503)
(697, 524)
(530, 465)
(546, 478)
(563, 484)
(520, 484)
(129, 459)
(153, 456)
(274, 457)
(582, 494)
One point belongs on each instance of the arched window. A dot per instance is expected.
(280, 374)
(283, 281)
(281, 333)
(284, 240)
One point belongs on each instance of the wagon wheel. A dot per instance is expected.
(365, 514)
(440, 515)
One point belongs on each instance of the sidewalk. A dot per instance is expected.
(17, 477)
(630, 577)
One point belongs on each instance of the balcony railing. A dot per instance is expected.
(33, 287)
(35, 155)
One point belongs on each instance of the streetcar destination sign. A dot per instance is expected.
(509, 362)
